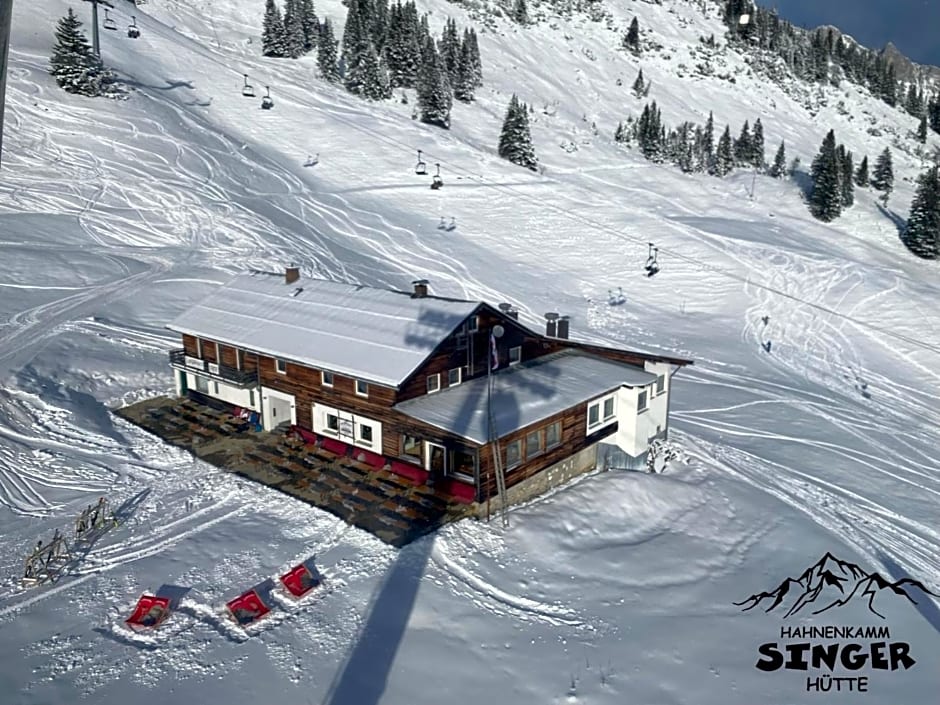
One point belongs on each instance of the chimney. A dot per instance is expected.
(421, 289)
(291, 274)
(509, 311)
(551, 327)
(563, 327)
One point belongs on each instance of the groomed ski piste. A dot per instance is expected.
(618, 587)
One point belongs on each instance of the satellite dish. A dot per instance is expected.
(498, 331)
(744, 19)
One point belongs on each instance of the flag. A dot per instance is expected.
(494, 363)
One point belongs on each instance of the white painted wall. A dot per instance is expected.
(319, 413)
(269, 397)
(226, 392)
(635, 429)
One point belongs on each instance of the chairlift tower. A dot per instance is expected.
(95, 44)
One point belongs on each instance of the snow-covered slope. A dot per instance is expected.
(114, 216)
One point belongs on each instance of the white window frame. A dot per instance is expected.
(322, 413)
(434, 383)
(358, 435)
(277, 366)
(215, 387)
(541, 444)
(203, 380)
(518, 354)
(364, 384)
(327, 428)
(613, 405)
(459, 371)
(602, 421)
(660, 385)
(323, 375)
(642, 400)
(251, 398)
(473, 324)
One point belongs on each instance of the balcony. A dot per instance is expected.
(222, 373)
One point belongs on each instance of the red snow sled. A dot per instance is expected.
(150, 612)
(247, 608)
(299, 580)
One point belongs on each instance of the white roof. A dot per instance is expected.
(377, 335)
(523, 394)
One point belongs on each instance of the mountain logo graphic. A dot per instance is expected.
(831, 583)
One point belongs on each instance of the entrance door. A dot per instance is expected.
(435, 459)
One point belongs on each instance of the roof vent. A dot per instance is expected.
(551, 327)
(563, 327)
(509, 311)
(291, 274)
(421, 289)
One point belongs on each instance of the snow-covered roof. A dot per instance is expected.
(377, 335)
(523, 394)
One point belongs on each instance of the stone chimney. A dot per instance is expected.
(291, 274)
(563, 327)
(421, 289)
(551, 327)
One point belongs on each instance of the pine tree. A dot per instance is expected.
(757, 145)
(75, 67)
(520, 12)
(922, 235)
(709, 144)
(515, 140)
(477, 64)
(861, 174)
(631, 40)
(914, 103)
(742, 146)
(310, 24)
(434, 93)
(327, 53)
(449, 49)
(380, 21)
(779, 167)
(933, 113)
(724, 156)
(848, 183)
(355, 36)
(922, 130)
(825, 201)
(465, 83)
(883, 175)
(639, 85)
(272, 31)
(294, 37)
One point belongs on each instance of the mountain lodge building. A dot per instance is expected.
(454, 392)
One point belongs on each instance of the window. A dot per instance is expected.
(641, 401)
(332, 423)
(251, 397)
(362, 389)
(454, 377)
(661, 384)
(515, 355)
(608, 408)
(411, 447)
(553, 435)
(533, 444)
(594, 414)
(434, 383)
(326, 378)
(280, 366)
(239, 358)
(202, 384)
(473, 324)
(215, 386)
(513, 454)
(365, 434)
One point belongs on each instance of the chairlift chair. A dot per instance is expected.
(132, 31)
(421, 168)
(652, 266)
(437, 181)
(312, 161)
(453, 225)
(442, 224)
(108, 22)
(267, 102)
(248, 90)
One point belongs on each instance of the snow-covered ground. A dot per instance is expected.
(619, 587)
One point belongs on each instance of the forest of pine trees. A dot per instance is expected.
(75, 67)
(821, 56)
(383, 47)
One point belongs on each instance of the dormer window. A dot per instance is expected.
(280, 365)
(515, 355)
(326, 378)
(434, 383)
(473, 324)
